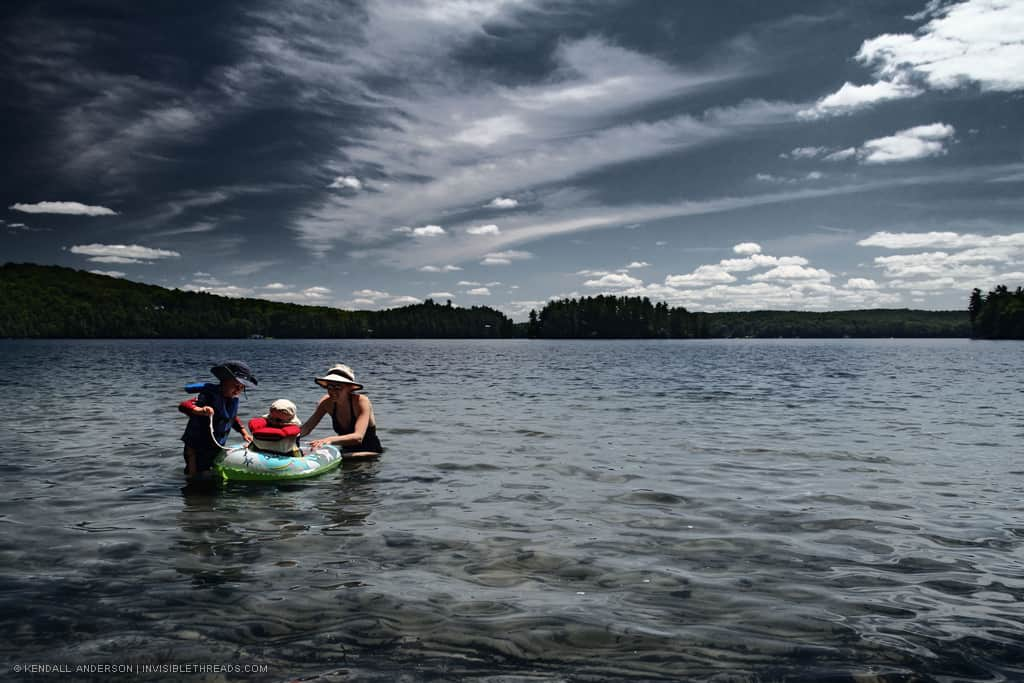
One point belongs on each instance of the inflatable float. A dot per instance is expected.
(248, 464)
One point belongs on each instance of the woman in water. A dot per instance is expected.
(351, 415)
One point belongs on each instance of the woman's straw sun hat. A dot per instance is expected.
(339, 374)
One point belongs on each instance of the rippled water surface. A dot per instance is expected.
(731, 510)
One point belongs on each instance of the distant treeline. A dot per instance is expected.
(609, 317)
(50, 301)
(998, 314)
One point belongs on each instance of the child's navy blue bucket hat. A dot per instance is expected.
(237, 370)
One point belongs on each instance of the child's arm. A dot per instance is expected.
(240, 428)
(189, 407)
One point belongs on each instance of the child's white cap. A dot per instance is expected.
(285, 406)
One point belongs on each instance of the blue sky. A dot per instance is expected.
(715, 155)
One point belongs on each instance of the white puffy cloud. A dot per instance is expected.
(954, 261)
(440, 269)
(977, 41)
(775, 295)
(913, 143)
(793, 272)
(371, 294)
(852, 97)
(502, 203)
(349, 182)
(316, 292)
(69, 208)
(932, 265)
(803, 153)
(637, 264)
(121, 253)
(429, 231)
(788, 283)
(614, 280)
(939, 240)
(842, 154)
(701, 277)
(278, 291)
(231, 291)
(479, 291)
(108, 273)
(484, 230)
(374, 299)
(442, 295)
(756, 260)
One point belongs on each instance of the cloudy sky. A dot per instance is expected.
(817, 155)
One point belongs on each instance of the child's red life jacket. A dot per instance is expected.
(283, 440)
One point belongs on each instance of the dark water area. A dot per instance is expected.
(728, 510)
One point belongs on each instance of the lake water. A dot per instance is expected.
(734, 510)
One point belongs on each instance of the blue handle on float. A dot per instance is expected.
(195, 387)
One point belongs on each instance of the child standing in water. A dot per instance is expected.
(204, 441)
(351, 415)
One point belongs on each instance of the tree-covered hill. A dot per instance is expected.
(998, 314)
(51, 301)
(876, 322)
(609, 317)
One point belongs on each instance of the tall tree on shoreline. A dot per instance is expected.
(997, 315)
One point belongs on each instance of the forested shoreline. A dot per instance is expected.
(57, 302)
(998, 314)
(638, 318)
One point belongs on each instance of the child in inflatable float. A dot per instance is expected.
(278, 431)
(217, 400)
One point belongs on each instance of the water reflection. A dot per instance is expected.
(210, 550)
(354, 498)
(231, 533)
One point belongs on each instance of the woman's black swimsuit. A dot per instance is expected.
(370, 441)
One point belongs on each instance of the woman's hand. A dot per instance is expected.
(320, 443)
(205, 410)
